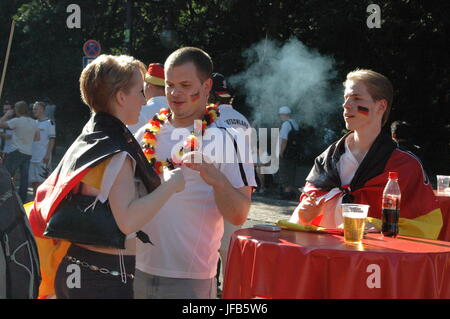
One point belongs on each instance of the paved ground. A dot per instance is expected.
(269, 210)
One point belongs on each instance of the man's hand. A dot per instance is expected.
(202, 164)
(46, 159)
(9, 114)
(233, 203)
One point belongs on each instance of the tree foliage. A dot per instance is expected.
(409, 48)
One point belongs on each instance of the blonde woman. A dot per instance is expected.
(102, 167)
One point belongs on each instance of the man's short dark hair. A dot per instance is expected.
(198, 57)
(21, 108)
(402, 130)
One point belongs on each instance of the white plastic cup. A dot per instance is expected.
(354, 216)
(443, 185)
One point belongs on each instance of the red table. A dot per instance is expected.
(444, 204)
(290, 264)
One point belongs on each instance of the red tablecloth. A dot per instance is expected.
(444, 203)
(290, 264)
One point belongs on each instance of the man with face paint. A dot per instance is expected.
(183, 261)
(355, 168)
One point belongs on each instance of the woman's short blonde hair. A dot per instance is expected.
(378, 86)
(101, 79)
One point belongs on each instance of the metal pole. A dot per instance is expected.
(13, 24)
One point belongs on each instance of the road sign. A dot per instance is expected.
(87, 60)
(92, 48)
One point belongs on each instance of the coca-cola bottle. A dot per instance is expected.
(391, 206)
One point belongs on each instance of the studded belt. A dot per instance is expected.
(101, 270)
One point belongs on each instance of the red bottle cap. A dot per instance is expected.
(393, 175)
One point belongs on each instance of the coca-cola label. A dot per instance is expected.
(391, 202)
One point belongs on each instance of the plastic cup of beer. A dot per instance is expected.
(354, 216)
(443, 185)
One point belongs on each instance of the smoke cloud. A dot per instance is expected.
(290, 74)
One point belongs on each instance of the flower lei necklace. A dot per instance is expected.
(152, 130)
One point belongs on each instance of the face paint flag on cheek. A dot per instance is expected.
(363, 110)
(195, 97)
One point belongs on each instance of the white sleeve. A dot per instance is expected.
(239, 174)
(51, 130)
(111, 172)
(12, 123)
(241, 171)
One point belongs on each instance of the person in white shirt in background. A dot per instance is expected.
(287, 171)
(6, 135)
(154, 93)
(221, 94)
(41, 152)
(25, 130)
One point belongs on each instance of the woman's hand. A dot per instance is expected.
(309, 208)
(174, 178)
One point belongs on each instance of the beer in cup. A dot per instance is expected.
(354, 216)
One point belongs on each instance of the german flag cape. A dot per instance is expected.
(420, 215)
(102, 137)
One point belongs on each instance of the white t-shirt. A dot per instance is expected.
(148, 111)
(232, 117)
(39, 148)
(24, 130)
(331, 210)
(187, 230)
(239, 122)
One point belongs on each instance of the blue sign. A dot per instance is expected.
(87, 60)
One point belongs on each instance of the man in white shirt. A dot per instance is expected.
(41, 150)
(288, 165)
(187, 230)
(221, 95)
(25, 130)
(154, 93)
